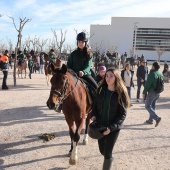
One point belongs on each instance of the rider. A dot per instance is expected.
(20, 58)
(52, 57)
(80, 61)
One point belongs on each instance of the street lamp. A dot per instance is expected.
(135, 28)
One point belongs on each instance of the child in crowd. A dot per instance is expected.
(100, 76)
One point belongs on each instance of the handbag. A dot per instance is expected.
(95, 131)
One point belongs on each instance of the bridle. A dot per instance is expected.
(62, 94)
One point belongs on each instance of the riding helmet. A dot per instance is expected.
(82, 37)
(52, 50)
(6, 51)
(94, 132)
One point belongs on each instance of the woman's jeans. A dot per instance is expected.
(150, 105)
(41, 69)
(107, 143)
(129, 91)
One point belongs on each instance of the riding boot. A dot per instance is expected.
(107, 164)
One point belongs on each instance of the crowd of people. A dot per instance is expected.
(112, 90)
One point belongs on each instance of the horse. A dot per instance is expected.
(47, 69)
(21, 68)
(67, 88)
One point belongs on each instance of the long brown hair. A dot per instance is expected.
(83, 52)
(119, 87)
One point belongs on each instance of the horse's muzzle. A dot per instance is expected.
(51, 105)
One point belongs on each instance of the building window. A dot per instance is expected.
(150, 38)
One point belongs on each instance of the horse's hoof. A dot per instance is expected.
(72, 162)
(69, 154)
(85, 142)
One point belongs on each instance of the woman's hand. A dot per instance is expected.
(106, 132)
(81, 73)
(93, 118)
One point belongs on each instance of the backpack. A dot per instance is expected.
(159, 85)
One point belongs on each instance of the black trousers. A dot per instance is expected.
(93, 85)
(5, 78)
(30, 70)
(107, 143)
(139, 84)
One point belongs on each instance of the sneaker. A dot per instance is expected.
(131, 104)
(138, 100)
(158, 121)
(148, 122)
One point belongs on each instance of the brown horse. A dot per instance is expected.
(47, 70)
(68, 90)
(22, 68)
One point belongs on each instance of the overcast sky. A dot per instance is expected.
(70, 14)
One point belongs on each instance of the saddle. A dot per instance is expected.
(89, 89)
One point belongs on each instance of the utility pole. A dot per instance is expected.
(135, 28)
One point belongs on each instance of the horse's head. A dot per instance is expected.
(59, 85)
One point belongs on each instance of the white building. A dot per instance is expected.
(129, 33)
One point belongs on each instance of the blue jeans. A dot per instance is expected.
(129, 91)
(41, 69)
(150, 102)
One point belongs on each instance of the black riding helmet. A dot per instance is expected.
(82, 37)
(52, 50)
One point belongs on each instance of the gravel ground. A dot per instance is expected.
(24, 117)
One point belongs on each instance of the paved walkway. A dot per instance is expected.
(24, 116)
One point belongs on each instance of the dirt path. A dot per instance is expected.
(24, 116)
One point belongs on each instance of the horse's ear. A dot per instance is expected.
(64, 69)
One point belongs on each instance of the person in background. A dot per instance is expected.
(5, 66)
(100, 76)
(142, 74)
(52, 56)
(30, 65)
(166, 67)
(127, 77)
(20, 58)
(41, 63)
(152, 96)
(109, 111)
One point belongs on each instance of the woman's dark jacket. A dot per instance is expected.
(116, 112)
(132, 73)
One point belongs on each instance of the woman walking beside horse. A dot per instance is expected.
(109, 111)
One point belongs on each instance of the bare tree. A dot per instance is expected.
(62, 40)
(42, 43)
(34, 42)
(69, 48)
(112, 48)
(10, 45)
(160, 51)
(52, 44)
(19, 30)
(28, 43)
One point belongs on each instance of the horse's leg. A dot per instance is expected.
(74, 157)
(47, 78)
(25, 73)
(85, 140)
